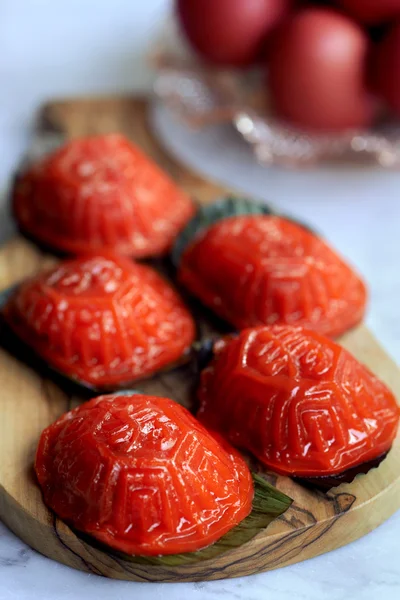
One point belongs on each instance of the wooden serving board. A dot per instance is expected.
(315, 523)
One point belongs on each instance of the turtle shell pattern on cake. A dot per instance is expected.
(102, 320)
(142, 476)
(301, 403)
(265, 269)
(100, 193)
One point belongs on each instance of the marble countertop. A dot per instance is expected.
(72, 47)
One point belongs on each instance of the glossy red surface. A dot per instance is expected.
(257, 269)
(230, 32)
(385, 67)
(101, 193)
(372, 11)
(141, 475)
(102, 319)
(299, 402)
(316, 72)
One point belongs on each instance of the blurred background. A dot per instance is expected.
(69, 47)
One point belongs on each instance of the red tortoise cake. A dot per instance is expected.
(102, 320)
(301, 403)
(254, 269)
(100, 193)
(141, 475)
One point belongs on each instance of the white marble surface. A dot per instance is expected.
(69, 47)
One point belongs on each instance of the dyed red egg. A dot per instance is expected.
(141, 475)
(230, 32)
(372, 12)
(102, 320)
(316, 72)
(263, 269)
(386, 68)
(302, 404)
(101, 193)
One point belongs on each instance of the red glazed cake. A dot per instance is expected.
(264, 269)
(101, 193)
(301, 403)
(102, 320)
(142, 476)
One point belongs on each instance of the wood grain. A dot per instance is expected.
(315, 523)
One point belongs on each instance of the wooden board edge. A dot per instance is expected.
(264, 552)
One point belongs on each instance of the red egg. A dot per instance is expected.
(230, 32)
(386, 69)
(371, 12)
(316, 72)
